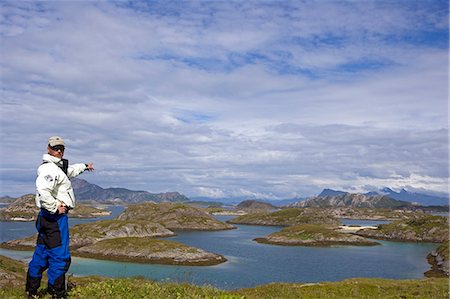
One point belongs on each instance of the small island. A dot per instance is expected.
(174, 216)
(148, 250)
(313, 235)
(288, 217)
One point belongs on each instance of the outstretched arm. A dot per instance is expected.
(77, 169)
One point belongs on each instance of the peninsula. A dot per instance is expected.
(427, 228)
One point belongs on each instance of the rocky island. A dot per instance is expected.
(174, 216)
(313, 235)
(89, 233)
(288, 217)
(147, 250)
(24, 209)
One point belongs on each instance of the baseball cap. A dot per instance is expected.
(55, 140)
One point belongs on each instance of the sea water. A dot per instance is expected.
(250, 263)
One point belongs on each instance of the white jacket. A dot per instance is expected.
(53, 185)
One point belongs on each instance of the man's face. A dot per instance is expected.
(56, 151)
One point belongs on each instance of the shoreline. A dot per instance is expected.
(314, 243)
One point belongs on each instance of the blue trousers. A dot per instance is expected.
(52, 253)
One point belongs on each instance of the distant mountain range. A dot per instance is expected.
(423, 199)
(87, 191)
(355, 200)
(237, 200)
(385, 198)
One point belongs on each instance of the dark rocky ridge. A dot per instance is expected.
(87, 191)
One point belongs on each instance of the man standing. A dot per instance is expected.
(55, 198)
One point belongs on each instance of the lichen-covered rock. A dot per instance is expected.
(439, 261)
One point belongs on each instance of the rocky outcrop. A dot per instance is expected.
(148, 250)
(255, 205)
(439, 261)
(424, 229)
(174, 216)
(24, 209)
(288, 217)
(89, 233)
(313, 235)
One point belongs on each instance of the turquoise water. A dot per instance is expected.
(250, 263)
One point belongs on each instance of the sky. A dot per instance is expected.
(228, 99)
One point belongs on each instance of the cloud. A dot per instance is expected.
(257, 98)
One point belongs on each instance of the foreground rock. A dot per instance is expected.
(174, 216)
(424, 229)
(439, 261)
(24, 209)
(148, 250)
(89, 233)
(313, 235)
(288, 217)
